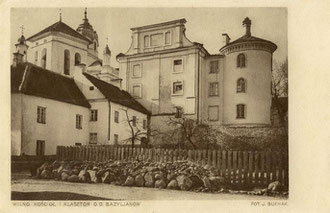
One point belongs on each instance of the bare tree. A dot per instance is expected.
(136, 132)
(280, 88)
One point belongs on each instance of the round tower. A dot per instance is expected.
(247, 79)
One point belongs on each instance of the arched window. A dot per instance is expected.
(241, 85)
(77, 59)
(240, 111)
(66, 62)
(241, 60)
(44, 58)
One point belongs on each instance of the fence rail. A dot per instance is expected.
(238, 167)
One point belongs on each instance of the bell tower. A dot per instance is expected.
(21, 46)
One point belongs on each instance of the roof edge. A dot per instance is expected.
(181, 21)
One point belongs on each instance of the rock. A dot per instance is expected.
(217, 182)
(275, 186)
(45, 174)
(64, 176)
(129, 181)
(149, 180)
(92, 174)
(196, 182)
(108, 177)
(75, 172)
(84, 176)
(139, 180)
(160, 184)
(171, 176)
(159, 176)
(206, 182)
(173, 184)
(184, 182)
(73, 178)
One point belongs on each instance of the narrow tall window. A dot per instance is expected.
(241, 60)
(116, 117)
(214, 89)
(146, 41)
(66, 62)
(214, 66)
(93, 138)
(95, 45)
(240, 108)
(241, 85)
(79, 121)
(177, 65)
(36, 58)
(77, 59)
(93, 115)
(167, 38)
(115, 139)
(134, 121)
(144, 124)
(41, 115)
(40, 148)
(44, 58)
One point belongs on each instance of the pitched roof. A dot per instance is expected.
(249, 38)
(30, 79)
(116, 95)
(60, 27)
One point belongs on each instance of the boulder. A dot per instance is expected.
(159, 176)
(217, 182)
(149, 180)
(196, 182)
(184, 182)
(84, 176)
(139, 180)
(206, 182)
(129, 181)
(64, 176)
(108, 177)
(275, 186)
(45, 174)
(160, 184)
(171, 176)
(73, 178)
(75, 171)
(92, 174)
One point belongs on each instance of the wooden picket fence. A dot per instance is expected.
(240, 168)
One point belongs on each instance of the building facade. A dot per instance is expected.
(164, 70)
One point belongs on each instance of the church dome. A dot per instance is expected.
(86, 29)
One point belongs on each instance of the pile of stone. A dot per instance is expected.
(179, 175)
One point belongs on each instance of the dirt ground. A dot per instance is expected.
(23, 187)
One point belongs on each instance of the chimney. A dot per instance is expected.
(247, 25)
(226, 38)
(17, 59)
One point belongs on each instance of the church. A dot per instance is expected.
(62, 93)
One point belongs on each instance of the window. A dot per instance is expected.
(146, 41)
(241, 60)
(214, 89)
(214, 66)
(36, 57)
(136, 91)
(136, 71)
(79, 121)
(241, 85)
(41, 115)
(134, 121)
(116, 117)
(40, 148)
(144, 124)
(43, 58)
(77, 59)
(177, 88)
(156, 40)
(177, 65)
(213, 113)
(115, 139)
(91, 88)
(95, 45)
(167, 38)
(66, 62)
(240, 111)
(93, 138)
(94, 115)
(77, 144)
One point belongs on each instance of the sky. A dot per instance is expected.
(204, 25)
